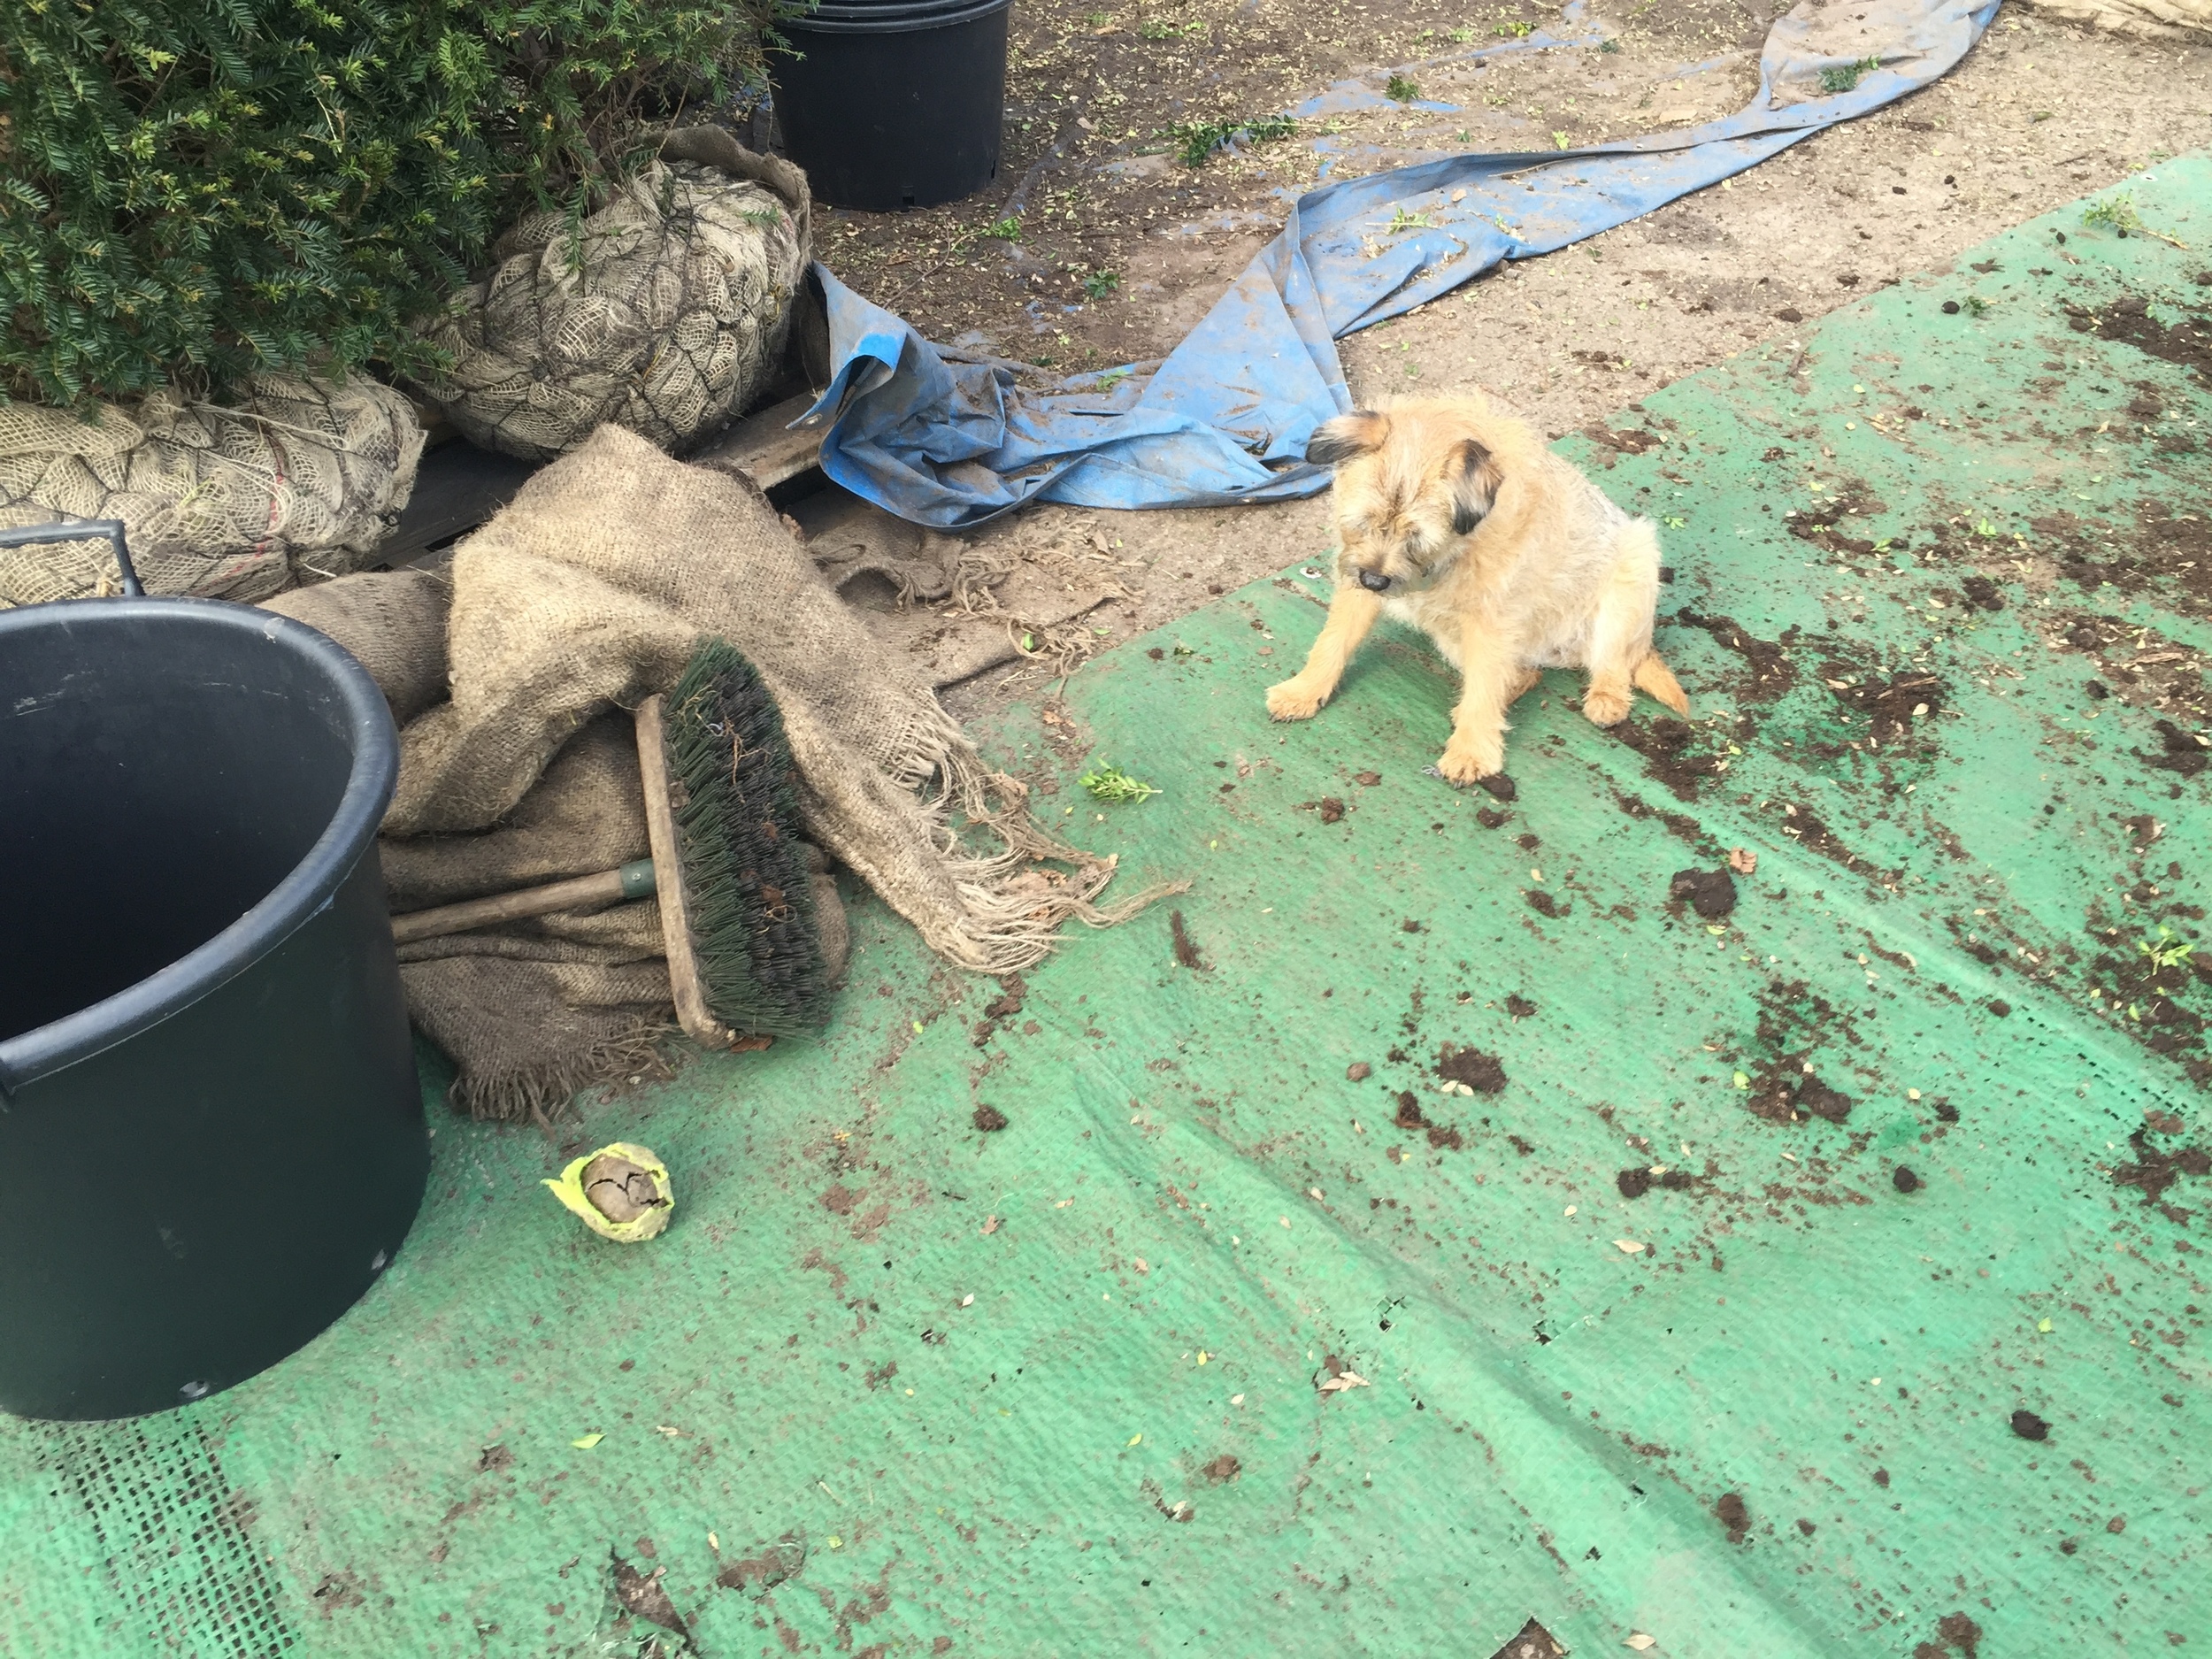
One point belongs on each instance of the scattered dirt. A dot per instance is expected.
(2028, 1426)
(1489, 818)
(2127, 318)
(1519, 1006)
(1904, 1180)
(1733, 1514)
(1223, 1469)
(1013, 992)
(1955, 1633)
(1186, 952)
(769, 1565)
(1367, 780)
(1540, 901)
(1482, 1072)
(1891, 708)
(1710, 893)
(1666, 747)
(2154, 1169)
(990, 1120)
(1768, 675)
(1795, 1025)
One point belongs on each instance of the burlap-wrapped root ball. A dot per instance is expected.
(297, 479)
(665, 312)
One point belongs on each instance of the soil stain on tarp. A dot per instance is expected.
(1794, 1023)
(1768, 675)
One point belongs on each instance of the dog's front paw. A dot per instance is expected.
(1605, 708)
(1294, 700)
(1464, 764)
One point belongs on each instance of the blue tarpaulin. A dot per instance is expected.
(949, 441)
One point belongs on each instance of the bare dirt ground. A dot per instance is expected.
(1106, 245)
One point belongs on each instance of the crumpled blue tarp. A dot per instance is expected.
(950, 441)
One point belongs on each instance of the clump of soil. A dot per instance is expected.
(1186, 952)
(1519, 1006)
(1500, 786)
(1904, 1180)
(1367, 780)
(1489, 818)
(989, 1119)
(1768, 675)
(1330, 809)
(1541, 902)
(1013, 992)
(1635, 1182)
(2028, 1426)
(1816, 1099)
(1956, 1633)
(1982, 595)
(1733, 1514)
(1410, 1118)
(1710, 893)
(1479, 1071)
(2181, 753)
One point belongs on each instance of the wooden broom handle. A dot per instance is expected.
(609, 887)
(684, 983)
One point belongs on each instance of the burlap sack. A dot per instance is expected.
(394, 624)
(665, 312)
(586, 594)
(300, 478)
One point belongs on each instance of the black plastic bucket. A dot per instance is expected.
(210, 1124)
(895, 104)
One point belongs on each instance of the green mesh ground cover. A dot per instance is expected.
(890, 1385)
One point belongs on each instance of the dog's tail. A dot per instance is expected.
(1655, 677)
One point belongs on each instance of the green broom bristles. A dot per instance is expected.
(745, 870)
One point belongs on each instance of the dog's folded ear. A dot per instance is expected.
(1473, 483)
(1344, 437)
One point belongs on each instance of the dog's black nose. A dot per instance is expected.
(1374, 581)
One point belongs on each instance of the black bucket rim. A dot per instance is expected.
(286, 906)
(895, 17)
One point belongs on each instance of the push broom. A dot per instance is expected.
(728, 863)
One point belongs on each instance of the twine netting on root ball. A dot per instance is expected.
(299, 479)
(664, 312)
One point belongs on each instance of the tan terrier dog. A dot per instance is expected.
(1453, 516)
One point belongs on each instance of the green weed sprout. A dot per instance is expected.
(1108, 782)
(1401, 88)
(2116, 213)
(1846, 77)
(2166, 950)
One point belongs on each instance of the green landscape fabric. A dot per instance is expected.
(1899, 1347)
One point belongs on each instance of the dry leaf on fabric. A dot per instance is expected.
(1343, 1380)
(1743, 861)
(1629, 1245)
(1640, 1642)
(588, 1442)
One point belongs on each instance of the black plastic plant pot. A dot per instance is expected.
(210, 1122)
(895, 104)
